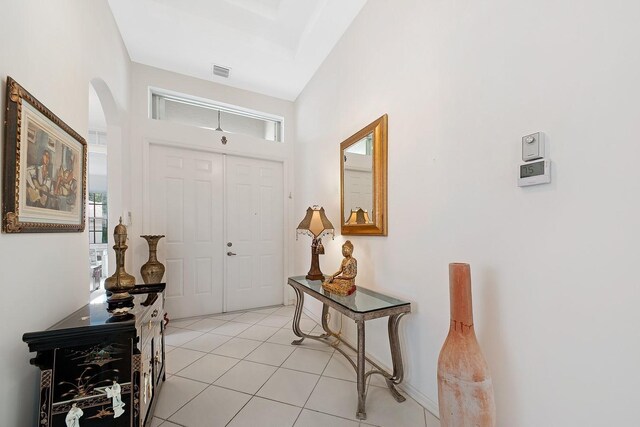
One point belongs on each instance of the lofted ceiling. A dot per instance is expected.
(271, 46)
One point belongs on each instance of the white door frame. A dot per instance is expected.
(146, 207)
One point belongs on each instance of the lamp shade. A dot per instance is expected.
(315, 223)
(358, 216)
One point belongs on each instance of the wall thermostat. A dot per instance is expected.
(533, 147)
(534, 173)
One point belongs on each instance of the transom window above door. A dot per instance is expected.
(209, 114)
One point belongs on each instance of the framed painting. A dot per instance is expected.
(45, 168)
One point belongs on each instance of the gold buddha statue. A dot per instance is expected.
(343, 281)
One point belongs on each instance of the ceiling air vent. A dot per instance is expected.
(221, 71)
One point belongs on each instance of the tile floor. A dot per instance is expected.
(240, 369)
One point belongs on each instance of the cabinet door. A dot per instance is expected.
(146, 380)
(80, 376)
(83, 372)
(158, 353)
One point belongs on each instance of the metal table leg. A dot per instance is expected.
(361, 414)
(396, 357)
(296, 317)
(296, 320)
(325, 315)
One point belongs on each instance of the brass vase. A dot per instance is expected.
(153, 270)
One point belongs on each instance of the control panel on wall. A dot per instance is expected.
(535, 169)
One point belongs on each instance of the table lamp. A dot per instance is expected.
(315, 224)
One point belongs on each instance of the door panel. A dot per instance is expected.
(359, 191)
(254, 190)
(186, 204)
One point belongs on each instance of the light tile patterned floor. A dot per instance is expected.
(240, 369)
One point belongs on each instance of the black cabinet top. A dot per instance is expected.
(96, 319)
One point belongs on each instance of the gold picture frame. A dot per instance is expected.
(376, 221)
(45, 168)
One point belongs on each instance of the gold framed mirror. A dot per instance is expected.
(363, 181)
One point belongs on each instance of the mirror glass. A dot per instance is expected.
(363, 181)
(358, 181)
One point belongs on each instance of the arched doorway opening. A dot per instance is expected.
(104, 173)
(97, 200)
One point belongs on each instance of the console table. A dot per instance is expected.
(82, 357)
(362, 305)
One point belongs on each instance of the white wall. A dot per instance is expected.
(53, 49)
(145, 131)
(554, 267)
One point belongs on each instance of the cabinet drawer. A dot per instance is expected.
(151, 322)
(154, 311)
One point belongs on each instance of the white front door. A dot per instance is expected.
(255, 225)
(186, 204)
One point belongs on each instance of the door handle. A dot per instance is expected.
(231, 254)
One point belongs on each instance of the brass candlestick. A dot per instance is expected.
(121, 282)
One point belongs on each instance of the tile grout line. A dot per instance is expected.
(260, 388)
(208, 385)
(187, 328)
(215, 316)
(256, 395)
(201, 382)
(204, 382)
(180, 370)
(425, 417)
(190, 400)
(239, 410)
(167, 421)
(277, 367)
(314, 387)
(198, 394)
(274, 372)
(185, 404)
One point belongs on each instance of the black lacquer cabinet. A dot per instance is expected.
(81, 357)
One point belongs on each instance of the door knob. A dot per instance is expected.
(231, 254)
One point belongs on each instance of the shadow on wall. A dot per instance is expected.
(493, 347)
(107, 101)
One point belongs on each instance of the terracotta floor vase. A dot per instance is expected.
(465, 390)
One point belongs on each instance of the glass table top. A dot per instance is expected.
(363, 300)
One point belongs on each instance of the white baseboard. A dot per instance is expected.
(421, 398)
(409, 389)
(313, 316)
